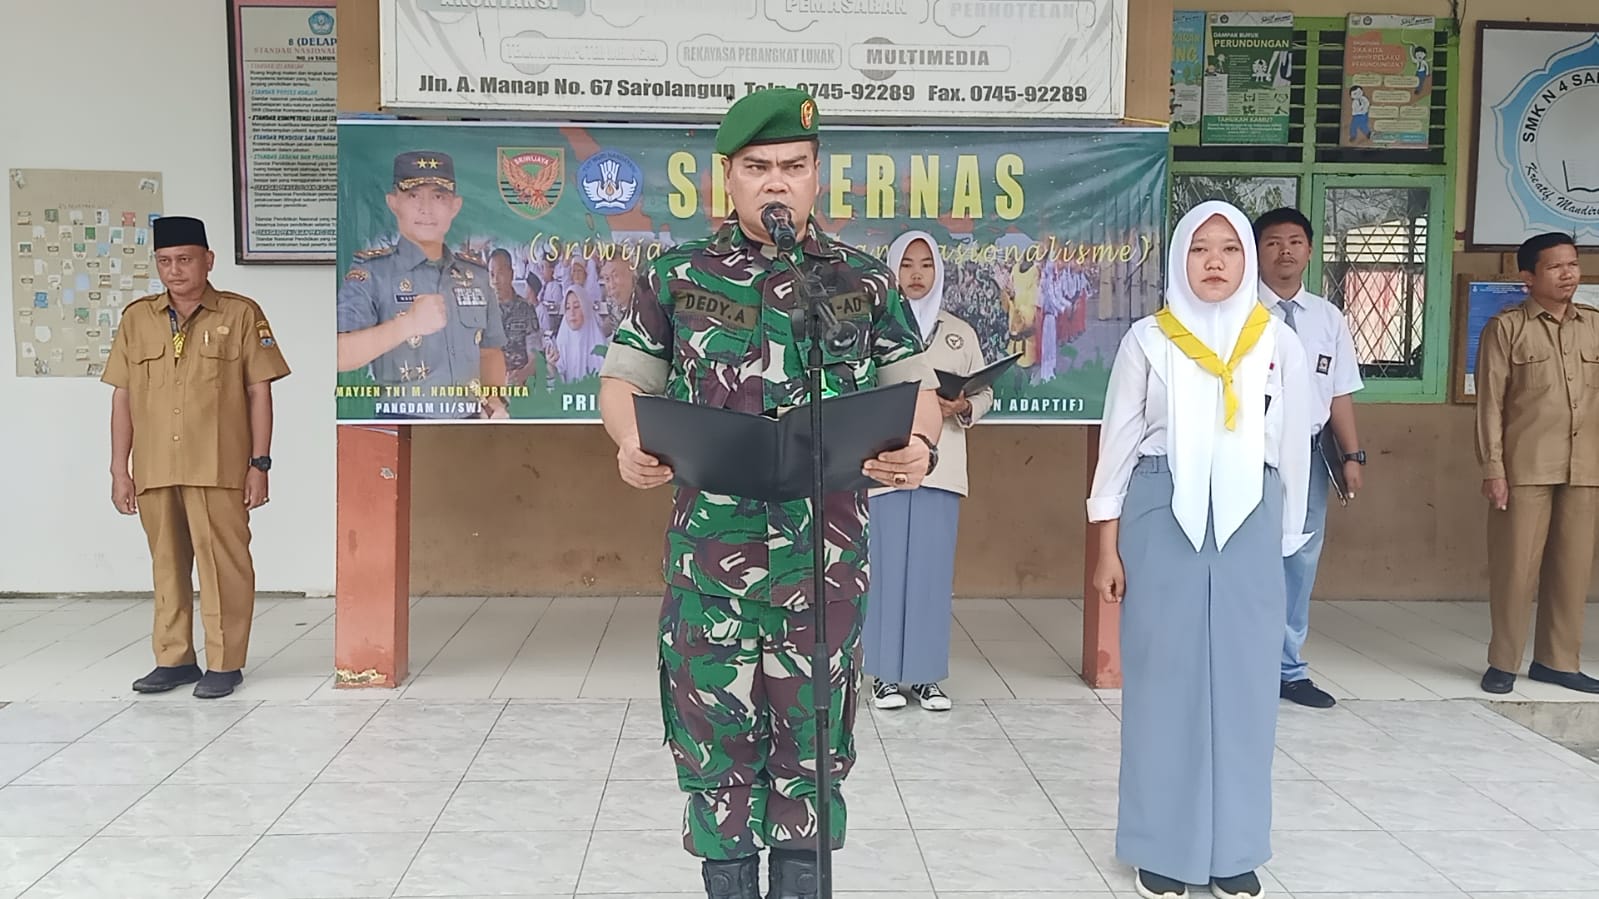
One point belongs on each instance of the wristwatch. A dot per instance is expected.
(1356, 456)
(263, 463)
(932, 452)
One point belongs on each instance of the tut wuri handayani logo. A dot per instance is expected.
(610, 182)
(1544, 131)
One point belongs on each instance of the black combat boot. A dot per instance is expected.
(792, 874)
(738, 878)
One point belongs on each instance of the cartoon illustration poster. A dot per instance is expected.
(1387, 97)
(1053, 241)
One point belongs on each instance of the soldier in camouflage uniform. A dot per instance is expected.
(524, 340)
(714, 322)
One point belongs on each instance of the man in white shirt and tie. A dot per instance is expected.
(1283, 236)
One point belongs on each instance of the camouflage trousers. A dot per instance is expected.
(737, 702)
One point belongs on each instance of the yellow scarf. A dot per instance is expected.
(1206, 358)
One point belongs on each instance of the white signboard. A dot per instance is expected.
(1536, 167)
(864, 60)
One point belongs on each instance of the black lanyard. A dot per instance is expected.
(177, 334)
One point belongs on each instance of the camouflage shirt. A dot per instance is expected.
(522, 333)
(714, 323)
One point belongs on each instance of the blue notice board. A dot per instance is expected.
(1484, 300)
(1477, 302)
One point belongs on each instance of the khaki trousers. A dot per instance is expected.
(211, 527)
(1543, 542)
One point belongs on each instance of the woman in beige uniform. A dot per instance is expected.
(912, 538)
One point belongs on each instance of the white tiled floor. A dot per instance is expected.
(523, 759)
(603, 648)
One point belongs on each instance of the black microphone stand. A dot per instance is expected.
(819, 327)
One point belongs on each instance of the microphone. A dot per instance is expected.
(779, 223)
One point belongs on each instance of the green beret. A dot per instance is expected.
(772, 116)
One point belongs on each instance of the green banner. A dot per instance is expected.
(1053, 243)
(1187, 76)
(1249, 77)
(1387, 99)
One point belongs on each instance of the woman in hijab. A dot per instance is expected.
(1204, 452)
(585, 276)
(911, 545)
(579, 345)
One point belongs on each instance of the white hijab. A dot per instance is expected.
(926, 308)
(580, 353)
(1213, 468)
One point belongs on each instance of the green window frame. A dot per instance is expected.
(1314, 159)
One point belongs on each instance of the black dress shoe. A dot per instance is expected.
(217, 684)
(737, 878)
(1571, 680)
(791, 874)
(169, 678)
(1307, 694)
(1244, 886)
(1156, 886)
(1496, 681)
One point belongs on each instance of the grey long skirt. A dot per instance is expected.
(909, 607)
(1201, 640)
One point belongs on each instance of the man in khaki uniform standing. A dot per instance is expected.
(193, 369)
(1538, 444)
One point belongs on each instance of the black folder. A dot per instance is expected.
(768, 458)
(952, 386)
(1332, 456)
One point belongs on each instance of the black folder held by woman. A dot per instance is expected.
(768, 458)
(952, 386)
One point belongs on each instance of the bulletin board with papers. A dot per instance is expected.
(80, 252)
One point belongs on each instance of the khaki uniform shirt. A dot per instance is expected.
(191, 418)
(953, 347)
(1538, 397)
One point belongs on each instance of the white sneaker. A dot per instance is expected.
(931, 697)
(887, 696)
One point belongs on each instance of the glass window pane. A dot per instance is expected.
(1374, 267)
(1254, 195)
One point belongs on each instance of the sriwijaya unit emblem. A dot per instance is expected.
(531, 179)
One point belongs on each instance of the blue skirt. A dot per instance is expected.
(1201, 639)
(909, 609)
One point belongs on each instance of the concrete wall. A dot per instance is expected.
(146, 87)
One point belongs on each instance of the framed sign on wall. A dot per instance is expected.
(1533, 166)
(283, 71)
(1479, 299)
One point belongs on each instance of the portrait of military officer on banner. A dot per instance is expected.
(418, 317)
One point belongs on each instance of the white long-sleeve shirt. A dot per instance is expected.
(1134, 425)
